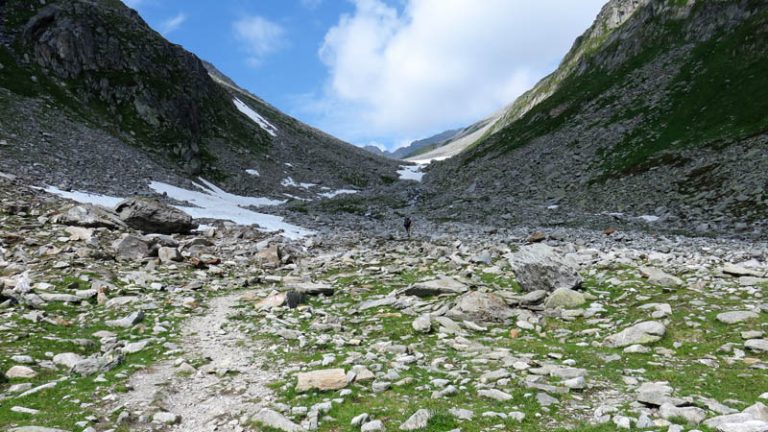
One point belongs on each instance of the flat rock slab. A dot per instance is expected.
(735, 317)
(435, 287)
(737, 270)
(483, 307)
(326, 379)
(639, 334)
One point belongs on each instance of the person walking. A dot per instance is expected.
(407, 223)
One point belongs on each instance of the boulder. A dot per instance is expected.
(326, 379)
(642, 333)
(540, 267)
(130, 248)
(153, 216)
(483, 307)
(692, 415)
(169, 255)
(757, 345)
(20, 372)
(311, 288)
(564, 298)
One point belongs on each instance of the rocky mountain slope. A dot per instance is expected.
(662, 116)
(87, 86)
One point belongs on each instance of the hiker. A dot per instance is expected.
(407, 225)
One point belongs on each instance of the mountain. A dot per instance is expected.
(416, 147)
(659, 109)
(92, 98)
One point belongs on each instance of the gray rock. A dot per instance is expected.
(435, 287)
(692, 415)
(546, 400)
(758, 345)
(540, 267)
(495, 395)
(659, 277)
(417, 421)
(169, 255)
(68, 360)
(35, 429)
(128, 321)
(153, 216)
(20, 372)
(130, 248)
(273, 419)
(92, 216)
(735, 317)
(483, 307)
(565, 298)
(373, 426)
(642, 333)
(462, 414)
(422, 324)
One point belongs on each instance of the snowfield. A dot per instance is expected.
(210, 202)
(253, 115)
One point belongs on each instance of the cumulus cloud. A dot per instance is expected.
(439, 63)
(259, 36)
(172, 24)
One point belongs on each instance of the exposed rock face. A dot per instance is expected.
(153, 216)
(540, 267)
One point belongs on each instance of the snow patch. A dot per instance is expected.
(211, 202)
(337, 193)
(410, 172)
(253, 115)
(252, 172)
(289, 182)
(86, 197)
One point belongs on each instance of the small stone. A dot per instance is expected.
(495, 395)
(373, 426)
(163, 417)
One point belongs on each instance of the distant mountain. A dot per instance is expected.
(416, 147)
(93, 98)
(660, 108)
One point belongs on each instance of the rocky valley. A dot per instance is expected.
(176, 254)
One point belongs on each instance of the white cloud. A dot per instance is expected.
(260, 37)
(439, 63)
(172, 24)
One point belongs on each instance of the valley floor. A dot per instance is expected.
(453, 329)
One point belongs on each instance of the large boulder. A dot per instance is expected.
(540, 267)
(153, 216)
(130, 248)
(483, 307)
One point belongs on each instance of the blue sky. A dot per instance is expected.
(380, 72)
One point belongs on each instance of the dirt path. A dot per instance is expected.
(221, 395)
